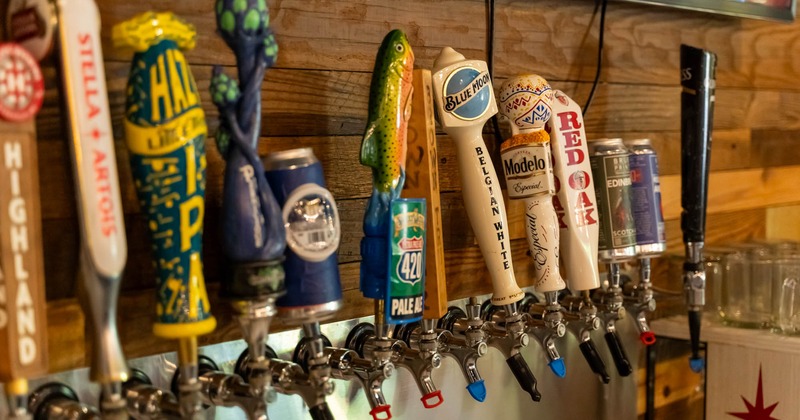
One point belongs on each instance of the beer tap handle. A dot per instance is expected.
(321, 412)
(592, 356)
(697, 112)
(524, 376)
(618, 353)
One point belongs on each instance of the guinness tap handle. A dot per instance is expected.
(697, 112)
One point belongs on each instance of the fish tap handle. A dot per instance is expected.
(697, 115)
(618, 353)
(592, 356)
(524, 376)
(321, 412)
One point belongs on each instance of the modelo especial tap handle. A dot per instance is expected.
(462, 90)
(697, 114)
(525, 101)
(103, 246)
(253, 234)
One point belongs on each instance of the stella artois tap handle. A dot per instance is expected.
(697, 114)
(23, 317)
(103, 245)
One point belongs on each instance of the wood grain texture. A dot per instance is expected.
(558, 40)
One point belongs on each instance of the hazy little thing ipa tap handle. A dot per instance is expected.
(697, 115)
(165, 132)
(23, 317)
(464, 99)
(104, 249)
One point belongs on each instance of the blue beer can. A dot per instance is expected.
(648, 216)
(313, 288)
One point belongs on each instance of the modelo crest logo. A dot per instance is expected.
(467, 93)
(524, 161)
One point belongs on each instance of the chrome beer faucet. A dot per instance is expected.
(418, 351)
(546, 323)
(466, 346)
(581, 316)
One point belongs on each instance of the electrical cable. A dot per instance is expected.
(490, 63)
(604, 3)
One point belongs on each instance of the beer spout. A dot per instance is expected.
(418, 351)
(465, 344)
(57, 401)
(505, 330)
(612, 310)
(581, 316)
(146, 402)
(546, 323)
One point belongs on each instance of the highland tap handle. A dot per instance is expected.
(618, 354)
(697, 112)
(524, 376)
(592, 357)
(321, 412)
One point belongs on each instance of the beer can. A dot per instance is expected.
(313, 288)
(651, 237)
(612, 175)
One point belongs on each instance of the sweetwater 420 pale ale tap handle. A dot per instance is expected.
(393, 247)
(525, 103)
(165, 132)
(103, 245)
(23, 317)
(698, 84)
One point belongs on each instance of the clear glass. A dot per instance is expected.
(787, 285)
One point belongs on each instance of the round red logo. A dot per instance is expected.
(579, 180)
(21, 84)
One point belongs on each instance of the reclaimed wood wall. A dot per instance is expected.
(317, 94)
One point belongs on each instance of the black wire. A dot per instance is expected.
(599, 55)
(490, 63)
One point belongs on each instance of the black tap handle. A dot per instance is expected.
(618, 354)
(321, 412)
(697, 114)
(592, 357)
(524, 376)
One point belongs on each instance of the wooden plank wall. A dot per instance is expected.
(317, 96)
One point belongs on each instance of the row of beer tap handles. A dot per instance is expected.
(281, 227)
